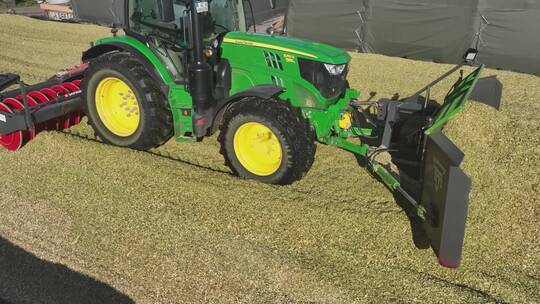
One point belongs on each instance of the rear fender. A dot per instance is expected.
(143, 54)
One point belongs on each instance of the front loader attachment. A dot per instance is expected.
(430, 177)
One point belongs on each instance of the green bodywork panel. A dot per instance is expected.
(258, 59)
(455, 100)
(264, 59)
(179, 98)
(325, 120)
(304, 48)
(144, 50)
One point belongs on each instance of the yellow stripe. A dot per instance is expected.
(268, 46)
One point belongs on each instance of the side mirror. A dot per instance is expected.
(273, 4)
(166, 10)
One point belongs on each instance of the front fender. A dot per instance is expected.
(265, 91)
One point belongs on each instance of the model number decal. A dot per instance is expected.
(289, 58)
(439, 173)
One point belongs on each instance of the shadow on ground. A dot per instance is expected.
(164, 155)
(419, 236)
(25, 278)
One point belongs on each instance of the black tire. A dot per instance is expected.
(155, 125)
(295, 135)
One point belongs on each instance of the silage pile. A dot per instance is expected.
(181, 229)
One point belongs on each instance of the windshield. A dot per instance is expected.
(228, 14)
(223, 16)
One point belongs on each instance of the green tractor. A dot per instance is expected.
(188, 69)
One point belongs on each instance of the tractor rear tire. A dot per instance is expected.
(267, 140)
(124, 104)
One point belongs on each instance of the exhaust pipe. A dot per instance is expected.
(200, 74)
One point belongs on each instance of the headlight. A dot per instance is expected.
(329, 79)
(335, 70)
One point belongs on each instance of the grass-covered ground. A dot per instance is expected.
(183, 230)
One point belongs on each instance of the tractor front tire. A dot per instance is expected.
(267, 140)
(124, 105)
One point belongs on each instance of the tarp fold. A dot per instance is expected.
(506, 32)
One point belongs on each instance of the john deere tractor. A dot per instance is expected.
(187, 69)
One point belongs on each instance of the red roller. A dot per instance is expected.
(70, 86)
(39, 96)
(50, 93)
(60, 90)
(31, 101)
(13, 141)
(65, 121)
(34, 99)
(73, 87)
(42, 98)
(15, 104)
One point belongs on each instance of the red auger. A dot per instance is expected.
(36, 101)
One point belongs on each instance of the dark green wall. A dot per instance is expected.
(435, 30)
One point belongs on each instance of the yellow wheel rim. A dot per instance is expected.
(117, 106)
(258, 149)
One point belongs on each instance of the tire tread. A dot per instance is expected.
(159, 117)
(290, 121)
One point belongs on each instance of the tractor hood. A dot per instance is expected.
(302, 48)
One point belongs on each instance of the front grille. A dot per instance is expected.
(329, 86)
(273, 60)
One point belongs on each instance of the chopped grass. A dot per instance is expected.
(183, 230)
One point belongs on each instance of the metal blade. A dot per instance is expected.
(488, 91)
(445, 196)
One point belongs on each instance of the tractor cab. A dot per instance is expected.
(167, 28)
(150, 18)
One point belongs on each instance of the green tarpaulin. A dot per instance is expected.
(506, 32)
